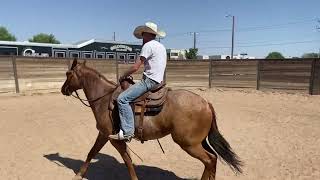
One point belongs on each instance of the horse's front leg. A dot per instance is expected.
(100, 142)
(121, 147)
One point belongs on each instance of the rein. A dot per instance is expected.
(89, 100)
(92, 100)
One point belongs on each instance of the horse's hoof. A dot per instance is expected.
(77, 177)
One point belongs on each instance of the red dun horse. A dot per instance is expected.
(189, 119)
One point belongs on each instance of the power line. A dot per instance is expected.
(263, 45)
(305, 35)
(175, 35)
(277, 44)
(216, 30)
(254, 28)
(277, 26)
(224, 42)
(216, 47)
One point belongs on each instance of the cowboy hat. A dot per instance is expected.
(149, 27)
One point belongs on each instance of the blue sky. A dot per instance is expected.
(287, 26)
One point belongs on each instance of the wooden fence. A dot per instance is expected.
(187, 73)
(23, 74)
(285, 75)
(234, 74)
(20, 74)
(314, 88)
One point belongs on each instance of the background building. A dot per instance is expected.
(87, 49)
(202, 57)
(239, 56)
(176, 53)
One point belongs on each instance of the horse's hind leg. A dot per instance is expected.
(100, 142)
(121, 147)
(209, 160)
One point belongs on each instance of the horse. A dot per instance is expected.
(188, 117)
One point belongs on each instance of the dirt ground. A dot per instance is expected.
(47, 136)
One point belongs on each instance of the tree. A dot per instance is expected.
(192, 53)
(275, 55)
(310, 55)
(5, 35)
(44, 38)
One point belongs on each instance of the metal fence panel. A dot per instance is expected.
(7, 81)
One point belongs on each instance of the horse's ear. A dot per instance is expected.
(84, 62)
(74, 63)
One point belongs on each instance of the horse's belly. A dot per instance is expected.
(151, 128)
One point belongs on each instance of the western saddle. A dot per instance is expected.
(149, 104)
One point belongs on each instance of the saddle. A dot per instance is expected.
(149, 104)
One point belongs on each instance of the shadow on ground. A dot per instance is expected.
(107, 167)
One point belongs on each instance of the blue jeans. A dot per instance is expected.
(128, 96)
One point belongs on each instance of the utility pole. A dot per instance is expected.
(233, 28)
(318, 28)
(159, 39)
(194, 39)
(232, 48)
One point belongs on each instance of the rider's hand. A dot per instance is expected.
(121, 78)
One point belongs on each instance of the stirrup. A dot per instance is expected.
(120, 136)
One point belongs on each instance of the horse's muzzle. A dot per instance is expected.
(65, 91)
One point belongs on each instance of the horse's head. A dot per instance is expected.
(73, 81)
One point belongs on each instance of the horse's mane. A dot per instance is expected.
(91, 70)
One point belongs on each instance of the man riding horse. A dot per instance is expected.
(154, 57)
(186, 116)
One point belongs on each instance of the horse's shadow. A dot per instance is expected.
(107, 167)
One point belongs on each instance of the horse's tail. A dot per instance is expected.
(216, 144)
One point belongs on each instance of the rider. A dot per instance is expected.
(154, 57)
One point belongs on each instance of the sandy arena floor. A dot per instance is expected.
(47, 137)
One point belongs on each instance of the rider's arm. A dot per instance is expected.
(135, 67)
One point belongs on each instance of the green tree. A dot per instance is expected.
(5, 35)
(310, 55)
(44, 38)
(275, 55)
(192, 53)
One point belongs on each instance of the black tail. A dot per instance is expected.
(216, 144)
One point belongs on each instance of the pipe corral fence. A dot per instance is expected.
(23, 74)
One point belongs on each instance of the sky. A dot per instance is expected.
(261, 26)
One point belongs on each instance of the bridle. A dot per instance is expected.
(74, 73)
(90, 100)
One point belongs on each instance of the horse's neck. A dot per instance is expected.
(95, 86)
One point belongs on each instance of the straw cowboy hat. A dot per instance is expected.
(149, 27)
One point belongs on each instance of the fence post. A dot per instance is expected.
(311, 81)
(258, 74)
(210, 73)
(117, 70)
(14, 67)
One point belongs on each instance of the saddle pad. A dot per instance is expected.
(155, 99)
